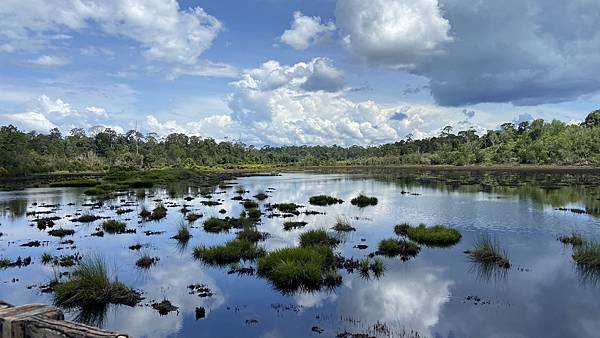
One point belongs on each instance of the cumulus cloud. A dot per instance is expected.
(392, 33)
(45, 113)
(274, 105)
(50, 61)
(305, 31)
(215, 126)
(164, 32)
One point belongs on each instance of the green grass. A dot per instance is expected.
(301, 268)
(192, 217)
(113, 226)
(587, 254)
(392, 247)
(4, 263)
(250, 204)
(437, 235)
(318, 237)
(378, 267)
(324, 200)
(61, 232)
(287, 226)
(251, 234)
(487, 250)
(158, 213)
(91, 285)
(46, 258)
(94, 191)
(86, 218)
(145, 262)
(253, 213)
(215, 224)
(343, 225)
(574, 239)
(402, 229)
(231, 252)
(363, 201)
(183, 233)
(74, 183)
(261, 196)
(286, 207)
(363, 266)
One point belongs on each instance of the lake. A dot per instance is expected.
(438, 293)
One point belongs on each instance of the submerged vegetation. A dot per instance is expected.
(363, 201)
(90, 285)
(487, 250)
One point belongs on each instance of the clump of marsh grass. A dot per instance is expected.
(113, 226)
(145, 213)
(146, 261)
(215, 224)
(342, 224)
(249, 204)
(192, 217)
(251, 234)
(261, 196)
(286, 207)
(587, 254)
(183, 232)
(363, 201)
(317, 238)
(574, 239)
(487, 250)
(61, 232)
(90, 285)
(366, 266)
(240, 190)
(287, 226)
(86, 218)
(231, 252)
(324, 200)
(301, 268)
(4, 262)
(158, 213)
(437, 235)
(403, 248)
(253, 213)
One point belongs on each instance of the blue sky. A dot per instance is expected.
(296, 72)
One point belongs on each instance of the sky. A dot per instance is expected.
(293, 72)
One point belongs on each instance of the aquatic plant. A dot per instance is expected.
(574, 239)
(146, 261)
(300, 268)
(215, 224)
(231, 252)
(316, 238)
(253, 213)
(437, 235)
(249, 204)
(587, 254)
(261, 196)
(342, 224)
(61, 232)
(324, 200)
(183, 233)
(145, 213)
(4, 263)
(286, 207)
(46, 258)
(392, 247)
(86, 218)
(363, 201)
(293, 225)
(402, 229)
(192, 217)
(487, 250)
(73, 183)
(113, 226)
(91, 285)
(251, 234)
(377, 266)
(158, 213)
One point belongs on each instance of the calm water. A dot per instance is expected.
(542, 295)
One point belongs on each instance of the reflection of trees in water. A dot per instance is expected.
(13, 208)
(554, 189)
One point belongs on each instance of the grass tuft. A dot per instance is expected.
(587, 254)
(113, 226)
(231, 252)
(363, 201)
(574, 239)
(342, 224)
(437, 235)
(324, 200)
(488, 251)
(318, 237)
(392, 247)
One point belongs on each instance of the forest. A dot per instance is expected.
(529, 143)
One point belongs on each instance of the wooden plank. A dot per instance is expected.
(50, 328)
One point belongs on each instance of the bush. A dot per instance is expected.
(231, 252)
(363, 201)
(324, 200)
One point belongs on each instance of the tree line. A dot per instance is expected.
(535, 143)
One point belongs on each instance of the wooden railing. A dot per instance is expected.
(45, 321)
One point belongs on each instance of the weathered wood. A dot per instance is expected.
(44, 321)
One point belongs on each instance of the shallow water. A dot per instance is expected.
(541, 295)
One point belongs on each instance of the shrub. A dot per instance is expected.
(324, 200)
(363, 201)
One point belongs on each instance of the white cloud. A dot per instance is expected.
(273, 106)
(305, 31)
(164, 32)
(31, 120)
(211, 126)
(50, 61)
(392, 33)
